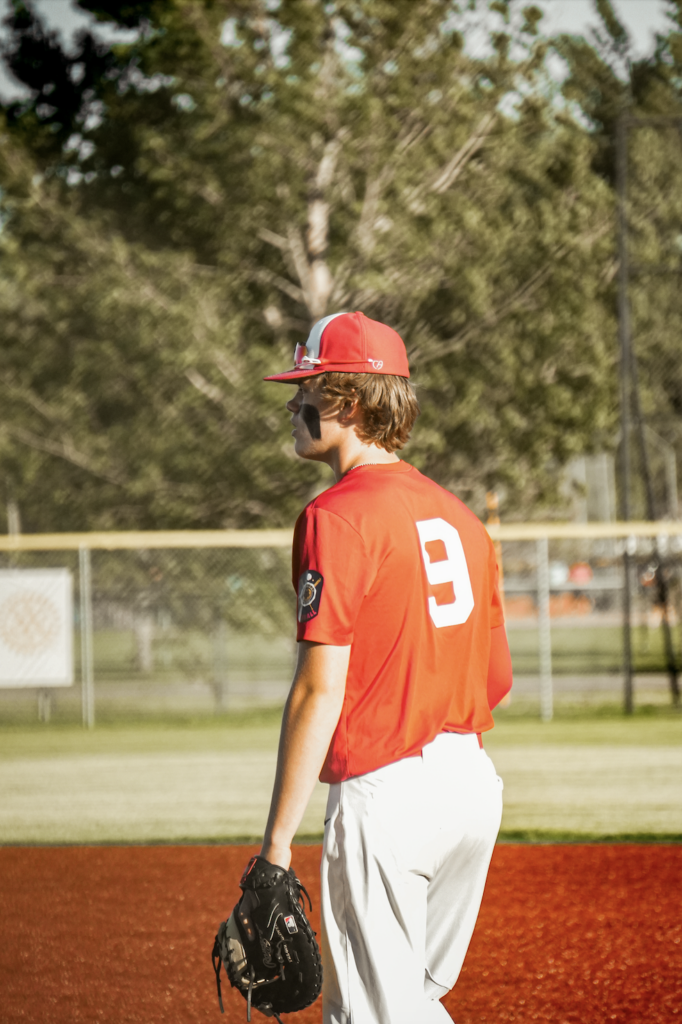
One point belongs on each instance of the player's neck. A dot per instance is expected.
(351, 456)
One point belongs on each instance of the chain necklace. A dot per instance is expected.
(361, 464)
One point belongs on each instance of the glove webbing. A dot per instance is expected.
(216, 967)
(303, 889)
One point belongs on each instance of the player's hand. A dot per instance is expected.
(267, 946)
(274, 854)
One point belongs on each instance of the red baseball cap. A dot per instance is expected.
(349, 342)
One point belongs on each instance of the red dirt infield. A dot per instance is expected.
(566, 934)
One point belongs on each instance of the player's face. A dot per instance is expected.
(313, 419)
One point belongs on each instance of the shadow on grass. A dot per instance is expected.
(523, 837)
(540, 837)
(239, 718)
(563, 711)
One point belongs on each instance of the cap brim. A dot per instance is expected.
(296, 374)
(313, 371)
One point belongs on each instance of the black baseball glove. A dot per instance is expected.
(267, 946)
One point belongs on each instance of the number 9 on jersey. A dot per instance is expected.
(451, 569)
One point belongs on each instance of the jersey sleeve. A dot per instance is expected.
(499, 667)
(332, 573)
(496, 609)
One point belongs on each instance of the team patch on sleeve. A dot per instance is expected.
(309, 594)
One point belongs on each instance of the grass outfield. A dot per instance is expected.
(578, 648)
(573, 779)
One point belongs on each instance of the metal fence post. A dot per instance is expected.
(625, 343)
(220, 665)
(87, 667)
(629, 548)
(544, 631)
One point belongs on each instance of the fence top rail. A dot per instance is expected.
(148, 539)
(585, 531)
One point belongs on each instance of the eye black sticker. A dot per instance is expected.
(311, 418)
(309, 594)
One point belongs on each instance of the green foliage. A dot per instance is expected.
(127, 387)
(605, 83)
(248, 589)
(186, 204)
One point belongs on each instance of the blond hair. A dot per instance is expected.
(389, 404)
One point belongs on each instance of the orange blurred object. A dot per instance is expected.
(580, 572)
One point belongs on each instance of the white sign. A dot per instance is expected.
(36, 627)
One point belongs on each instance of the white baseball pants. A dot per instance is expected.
(405, 858)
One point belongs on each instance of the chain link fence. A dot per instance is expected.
(182, 632)
(564, 614)
(172, 631)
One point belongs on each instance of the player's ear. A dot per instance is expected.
(350, 410)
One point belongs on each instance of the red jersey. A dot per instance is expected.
(397, 567)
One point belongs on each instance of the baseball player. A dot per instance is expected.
(402, 655)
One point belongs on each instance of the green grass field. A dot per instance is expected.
(587, 650)
(574, 779)
(180, 654)
(185, 654)
(191, 674)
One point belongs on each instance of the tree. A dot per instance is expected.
(107, 417)
(263, 165)
(605, 83)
